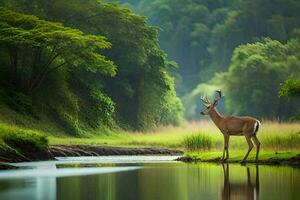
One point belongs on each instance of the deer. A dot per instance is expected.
(233, 126)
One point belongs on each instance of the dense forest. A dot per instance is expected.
(85, 65)
(98, 65)
(245, 47)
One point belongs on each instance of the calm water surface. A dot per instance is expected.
(147, 178)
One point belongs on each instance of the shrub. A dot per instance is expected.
(102, 110)
(197, 142)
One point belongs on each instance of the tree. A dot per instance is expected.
(38, 47)
(201, 35)
(143, 69)
(252, 82)
(38, 58)
(290, 88)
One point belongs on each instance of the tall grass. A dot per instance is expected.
(193, 136)
(198, 142)
(272, 135)
(202, 135)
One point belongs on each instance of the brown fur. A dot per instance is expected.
(234, 126)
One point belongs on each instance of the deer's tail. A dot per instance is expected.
(256, 126)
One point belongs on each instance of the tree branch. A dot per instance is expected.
(41, 78)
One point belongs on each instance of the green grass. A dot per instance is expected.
(239, 155)
(21, 140)
(201, 138)
(203, 141)
(20, 133)
(15, 119)
(198, 142)
(196, 136)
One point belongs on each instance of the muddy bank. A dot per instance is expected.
(82, 150)
(4, 166)
(293, 161)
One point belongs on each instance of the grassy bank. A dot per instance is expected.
(195, 136)
(203, 141)
(200, 140)
(16, 142)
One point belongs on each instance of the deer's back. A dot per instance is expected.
(237, 125)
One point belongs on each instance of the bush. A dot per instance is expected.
(67, 121)
(197, 142)
(23, 140)
(103, 109)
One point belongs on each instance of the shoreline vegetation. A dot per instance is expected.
(197, 141)
(291, 158)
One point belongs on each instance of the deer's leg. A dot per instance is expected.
(226, 138)
(257, 144)
(223, 153)
(223, 149)
(250, 148)
(226, 146)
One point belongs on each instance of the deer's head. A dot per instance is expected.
(210, 106)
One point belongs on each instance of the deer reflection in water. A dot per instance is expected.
(245, 190)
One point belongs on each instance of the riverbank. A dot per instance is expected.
(82, 150)
(18, 144)
(265, 158)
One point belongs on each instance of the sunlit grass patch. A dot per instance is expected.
(21, 140)
(239, 155)
(195, 136)
(198, 142)
(278, 142)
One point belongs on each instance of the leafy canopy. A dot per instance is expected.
(255, 75)
(69, 45)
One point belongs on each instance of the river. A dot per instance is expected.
(146, 178)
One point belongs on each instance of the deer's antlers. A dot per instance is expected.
(205, 101)
(219, 96)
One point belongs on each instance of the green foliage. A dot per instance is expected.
(171, 109)
(201, 35)
(18, 101)
(197, 142)
(291, 88)
(47, 46)
(143, 88)
(42, 54)
(158, 104)
(104, 108)
(186, 28)
(23, 140)
(247, 84)
(41, 57)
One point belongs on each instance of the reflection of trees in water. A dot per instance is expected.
(245, 190)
